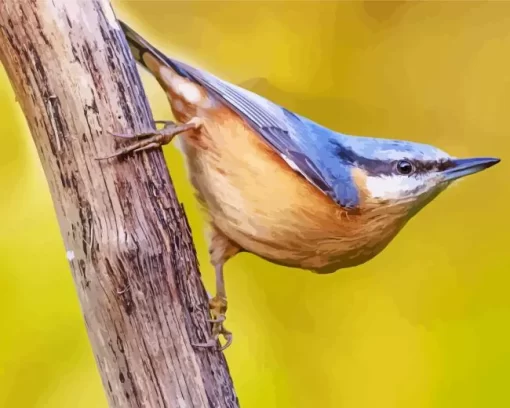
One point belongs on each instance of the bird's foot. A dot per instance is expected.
(218, 307)
(153, 138)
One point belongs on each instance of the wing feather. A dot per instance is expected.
(303, 144)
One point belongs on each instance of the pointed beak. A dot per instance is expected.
(465, 167)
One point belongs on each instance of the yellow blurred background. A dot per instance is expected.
(425, 324)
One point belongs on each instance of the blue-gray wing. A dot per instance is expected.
(303, 144)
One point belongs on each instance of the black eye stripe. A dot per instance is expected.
(388, 168)
(375, 167)
(429, 165)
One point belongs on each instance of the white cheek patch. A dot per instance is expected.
(393, 187)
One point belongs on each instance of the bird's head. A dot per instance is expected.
(401, 172)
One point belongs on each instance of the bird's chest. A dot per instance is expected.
(258, 202)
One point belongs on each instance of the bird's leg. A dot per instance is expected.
(153, 138)
(221, 249)
(218, 306)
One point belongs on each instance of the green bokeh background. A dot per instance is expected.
(425, 324)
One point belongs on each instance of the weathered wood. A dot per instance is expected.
(126, 236)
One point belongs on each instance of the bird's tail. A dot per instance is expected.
(146, 54)
(143, 52)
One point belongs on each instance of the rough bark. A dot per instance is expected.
(125, 234)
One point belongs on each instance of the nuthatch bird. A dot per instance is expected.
(282, 187)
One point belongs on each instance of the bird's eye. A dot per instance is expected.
(405, 167)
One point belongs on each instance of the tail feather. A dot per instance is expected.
(146, 54)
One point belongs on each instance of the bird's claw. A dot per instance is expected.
(212, 343)
(152, 138)
(150, 132)
(219, 319)
(218, 307)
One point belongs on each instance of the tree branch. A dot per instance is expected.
(126, 237)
